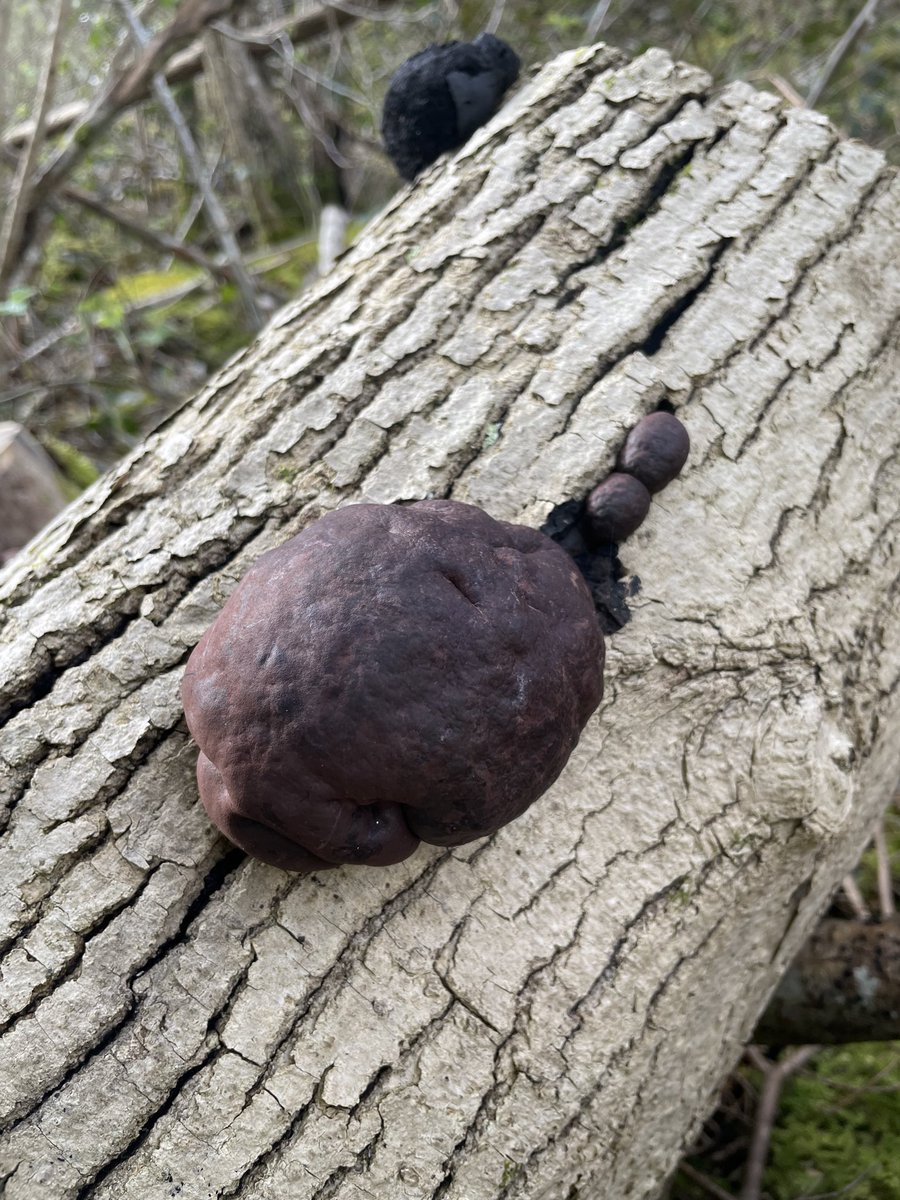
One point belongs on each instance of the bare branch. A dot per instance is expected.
(185, 64)
(775, 1075)
(18, 204)
(855, 898)
(597, 19)
(787, 90)
(843, 986)
(156, 240)
(885, 883)
(216, 213)
(703, 1181)
(125, 89)
(864, 17)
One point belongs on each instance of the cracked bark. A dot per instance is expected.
(547, 1013)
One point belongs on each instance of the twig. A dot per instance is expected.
(775, 1075)
(846, 1189)
(218, 219)
(885, 882)
(787, 90)
(333, 221)
(865, 15)
(123, 88)
(703, 1181)
(597, 19)
(855, 898)
(19, 200)
(496, 16)
(139, 230)
(300, 27)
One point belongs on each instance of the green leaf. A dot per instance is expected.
(16, 303)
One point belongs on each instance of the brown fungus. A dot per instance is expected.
(391, 674)
(655, 450)
(616, 507)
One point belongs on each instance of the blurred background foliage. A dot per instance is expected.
(126, 301)
(102, 334)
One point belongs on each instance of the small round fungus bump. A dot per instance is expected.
(616, 507)
(655, 450)
(392, 674)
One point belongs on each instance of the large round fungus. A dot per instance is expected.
(439, 97)
(391, 674)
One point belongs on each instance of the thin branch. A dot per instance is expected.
(300, 27)
(885, 882)
(787, 90)
(775, 1076)
(333, 222)
(5, 73)
(845, 1190)
(19, 200)
(496, 16)
(597, 19)
(125, 88)
(855, 898)
(163, 242)
(704, 1182)
(864, 17)
(215, 212)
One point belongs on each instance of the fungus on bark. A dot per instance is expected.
(616, 507)
(389, 675)
(440, 96)
(655, 450)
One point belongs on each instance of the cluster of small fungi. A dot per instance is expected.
(654, 452)
(404, 673)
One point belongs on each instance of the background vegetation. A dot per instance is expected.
(125, 289)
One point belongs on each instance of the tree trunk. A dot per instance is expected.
(843, 986)
(547, 1013)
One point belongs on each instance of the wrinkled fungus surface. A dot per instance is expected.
(391, 674)
(440, 96)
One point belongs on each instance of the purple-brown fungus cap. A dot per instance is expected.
(391, 674)
(655, 450)
(617, 507)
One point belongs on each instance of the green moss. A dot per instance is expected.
(77, 469)
(839, 1127)
(510, 1171)
(147, 285)
(294, 270)
(218, 330)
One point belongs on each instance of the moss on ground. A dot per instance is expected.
(839, 1127)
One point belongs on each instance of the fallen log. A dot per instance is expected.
(843, 986)
(549, 1012)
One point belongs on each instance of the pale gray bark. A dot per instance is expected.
(547, 1013)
